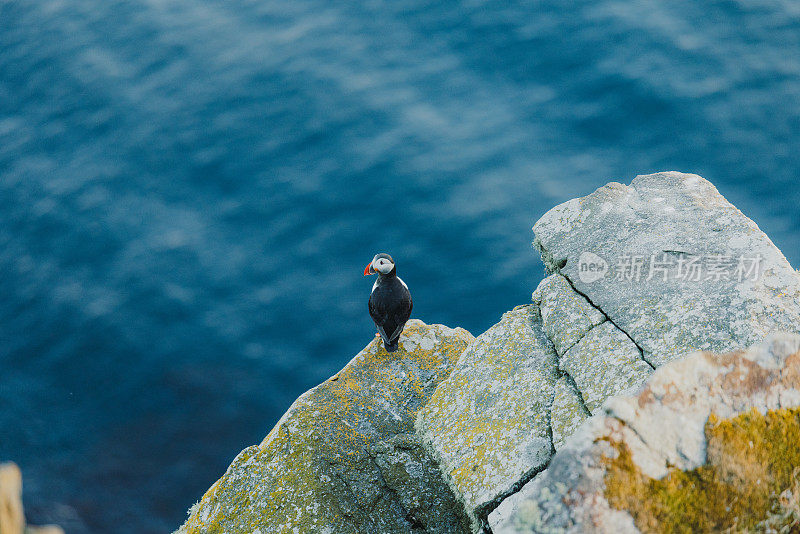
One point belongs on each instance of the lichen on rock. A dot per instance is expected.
(752, 461)
(453, 433)
(488, 423)
(566, 316)
(599, 358)
(343, 459)
(710, 443)
(604, 363)
(671, 248)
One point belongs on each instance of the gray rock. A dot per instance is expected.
(568, 411)
(663, 427)
(611, 325)
(488, 423)
(566, 315)
(503, 518)
(679, 267)
(342, 459)
(604, 363)
(599, 358)
(493, 423)
(640, 275)
(415, 479)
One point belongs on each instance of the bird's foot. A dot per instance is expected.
(377, 334)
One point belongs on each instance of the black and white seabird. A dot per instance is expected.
(390, 302)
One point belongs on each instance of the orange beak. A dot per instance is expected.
(366, 269)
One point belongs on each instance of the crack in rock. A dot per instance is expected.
(487, 424)
(600, 358)
(609, 319)
(578, 394)
(663, 219)
(557, 269)
(566, 317)
(664, 429)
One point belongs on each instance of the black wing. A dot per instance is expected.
(390, 307)
(403, 313)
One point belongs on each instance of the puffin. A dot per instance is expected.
(390, 301)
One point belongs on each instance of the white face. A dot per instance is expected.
(382, 265)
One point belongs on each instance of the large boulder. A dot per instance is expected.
(344, 459)
(639, 275)
(672, 264)
(709, 444)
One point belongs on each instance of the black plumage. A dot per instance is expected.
(390, 302)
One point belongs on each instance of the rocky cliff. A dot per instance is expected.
(531, 426)
(710, 444)
(344, 458)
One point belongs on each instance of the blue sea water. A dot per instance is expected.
(189, 192)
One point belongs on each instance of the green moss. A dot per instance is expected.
(749, 482)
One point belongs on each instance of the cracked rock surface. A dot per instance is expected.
(684, 269)
(604, 363)
(568, 410)
(610, 327)
(566, 316)
(662, 432)
(598, 358)
(488, 423)
(457, 434)
(519, 390)
(344, 459)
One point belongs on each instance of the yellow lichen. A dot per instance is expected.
(482, 418)
(751, 462)
(287, 484)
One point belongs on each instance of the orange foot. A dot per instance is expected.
(377, 334)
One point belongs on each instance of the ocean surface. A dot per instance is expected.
(189, 193)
